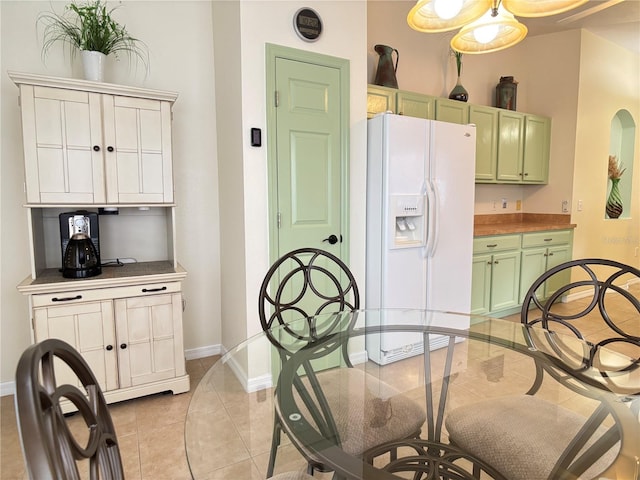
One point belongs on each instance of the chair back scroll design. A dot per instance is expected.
(604, 278)
(311, 282)
(50, 448)
(302, 284)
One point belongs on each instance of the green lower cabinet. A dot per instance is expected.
(536, 261)
(505, 266)
(481, 284)
(495, 281)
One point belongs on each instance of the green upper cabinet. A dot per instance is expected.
(452, 111)
(537, 142)
(384, 99)
(486, 121)
(415, 105)
(523, 148)
(510, 146)
(380, 99)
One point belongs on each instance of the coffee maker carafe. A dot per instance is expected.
(81, 257)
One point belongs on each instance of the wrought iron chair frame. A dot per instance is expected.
(50, 448)
(549, 319)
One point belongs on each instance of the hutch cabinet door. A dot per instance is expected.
(62, 135)
(89, 328)
(149, 338)
(138, 159)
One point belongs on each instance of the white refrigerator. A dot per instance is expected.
(420, 207)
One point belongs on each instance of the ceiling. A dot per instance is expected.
(615, 20)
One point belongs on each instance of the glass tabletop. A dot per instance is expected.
(440, 361)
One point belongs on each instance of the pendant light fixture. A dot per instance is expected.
(487, 25)
(540, 8)
(495, 30)
(433, 16)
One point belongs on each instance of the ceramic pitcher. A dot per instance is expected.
(386, 73)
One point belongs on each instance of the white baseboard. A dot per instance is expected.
(7, 388)
(201, 352)
(589, 292)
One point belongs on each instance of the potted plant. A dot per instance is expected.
(458, 92)
(90, 28)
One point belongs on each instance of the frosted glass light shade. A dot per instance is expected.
(424, 18)
(476, 37)
(540, 8)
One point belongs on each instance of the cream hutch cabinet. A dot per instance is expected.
(96, 146)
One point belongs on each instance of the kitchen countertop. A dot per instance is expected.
(519, 223)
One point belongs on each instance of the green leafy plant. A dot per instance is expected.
(90, 26)
(458, 56)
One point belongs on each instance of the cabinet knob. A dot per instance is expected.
(109, 348)
(123, 346)
(109, 148)
(96, 148)
(526, 174)
(496, 262)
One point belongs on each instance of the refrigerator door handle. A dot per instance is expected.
(432, 220)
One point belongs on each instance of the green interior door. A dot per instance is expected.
(308, 156)
(309, 164)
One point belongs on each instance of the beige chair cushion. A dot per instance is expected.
(367, 411)
(292, 476)
(521, 436)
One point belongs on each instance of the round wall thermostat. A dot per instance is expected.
(307, 24)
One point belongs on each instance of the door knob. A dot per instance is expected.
(332, 239)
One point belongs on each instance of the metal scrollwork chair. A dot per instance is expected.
(612, 339)
(50, 448)
(300, 285)
(607, 353)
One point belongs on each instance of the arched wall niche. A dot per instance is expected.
(621, 146)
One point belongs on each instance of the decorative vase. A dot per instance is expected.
(614, 202)
(386, 72)
(459, 92)
(93, 65)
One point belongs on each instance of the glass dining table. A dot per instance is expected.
(442, 361)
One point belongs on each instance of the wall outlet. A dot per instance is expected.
(504, 203)
(565, 206)
(518, 205)
(579, 205)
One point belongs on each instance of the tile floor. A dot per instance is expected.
(151, 429)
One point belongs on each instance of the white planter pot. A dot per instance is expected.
(93, 65)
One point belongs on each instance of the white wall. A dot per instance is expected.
(547, 78)
(606, 86)
(344, 36)
(179, 37)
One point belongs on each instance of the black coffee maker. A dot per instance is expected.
(79, 238)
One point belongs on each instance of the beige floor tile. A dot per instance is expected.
(151, 429)
(162, 453)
